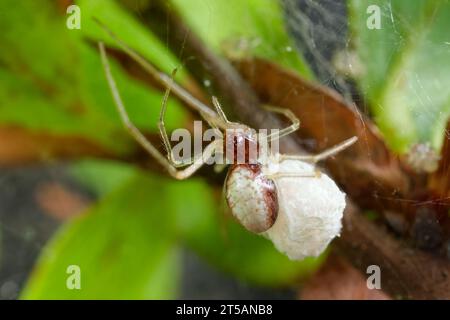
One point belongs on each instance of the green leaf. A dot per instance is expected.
(124, 247)
(227, 245)
(407, 70)
(101, 176)
(56, 83)
(255, 25)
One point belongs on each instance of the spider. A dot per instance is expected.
(283, 197)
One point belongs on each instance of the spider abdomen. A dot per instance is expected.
(251, 197)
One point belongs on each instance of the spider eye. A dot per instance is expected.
(251, 197)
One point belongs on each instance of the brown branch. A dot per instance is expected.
(407, 272)
(439, 181)
(337, 279)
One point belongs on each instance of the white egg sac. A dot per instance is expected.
(310, 210)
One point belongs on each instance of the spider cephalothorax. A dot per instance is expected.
(241, 146)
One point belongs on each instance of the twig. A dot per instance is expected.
(405, 272)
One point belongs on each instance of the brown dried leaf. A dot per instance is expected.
(60, 202)
(368, 171)
(20, 146)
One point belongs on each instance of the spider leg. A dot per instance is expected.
(206, 112)
(163, 131)
(210, 149)
(324, 154)
(140, 138)
(285, 131)
(278, 175)
(230, 124)
(219, 109)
